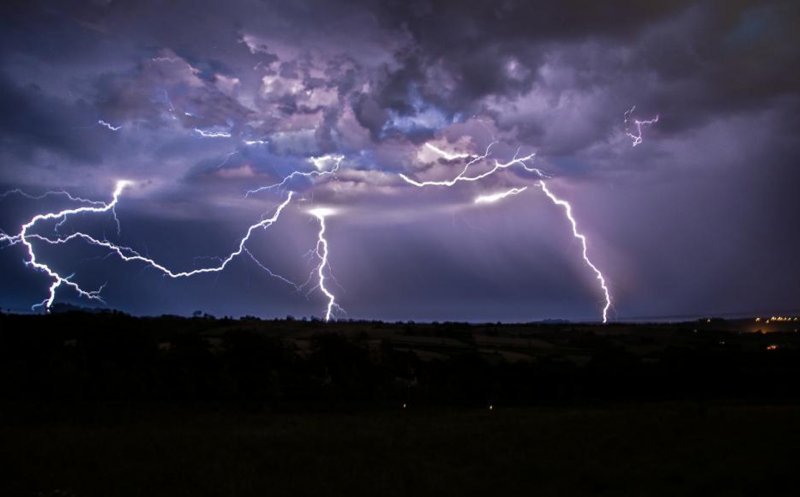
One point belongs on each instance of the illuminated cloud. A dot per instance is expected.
(250, 93)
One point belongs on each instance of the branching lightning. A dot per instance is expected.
(496, 197)
(127, 254)
(636, 138)
(463, 176)
(319, 164)
(271, 272)
(475, 168)
(24, 238)
(51, 193)
(584, 245)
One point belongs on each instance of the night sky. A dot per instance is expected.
(197, 102)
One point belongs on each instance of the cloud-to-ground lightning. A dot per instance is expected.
(636, 138)
(322, 166)
(321, 213)
(127, 254)
(496, 197)
(319, 163)
(584, 245)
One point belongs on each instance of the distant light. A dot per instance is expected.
(491, 407)
(326, 162)
(123, 183)
(322, 212)
(772, 347)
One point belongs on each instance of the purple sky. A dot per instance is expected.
(699, 219)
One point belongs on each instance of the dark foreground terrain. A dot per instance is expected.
(681, 449)
(111, 405)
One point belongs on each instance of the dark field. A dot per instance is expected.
(684, 449)
(110, 405)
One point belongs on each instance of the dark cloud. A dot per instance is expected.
(207, 100)
(31, 120)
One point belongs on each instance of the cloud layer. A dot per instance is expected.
(201, 102)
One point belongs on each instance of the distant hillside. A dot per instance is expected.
(70, 355)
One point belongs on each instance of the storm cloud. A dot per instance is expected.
(199, 102)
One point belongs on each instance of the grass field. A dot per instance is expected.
(649, 450)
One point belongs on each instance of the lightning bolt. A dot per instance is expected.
(447, 155)
(166, 59)
(584, 245)
(247, 143)
(18, 191)
(270, 272)
(464, 176)
(496, 197)
(321, 251)
(636, 138)
(322, 166)
(109, 125)
(57, 280)
(319, 165)
(126, 254)
(212, 134)
(226, 159)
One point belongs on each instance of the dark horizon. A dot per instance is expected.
(789, 316)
